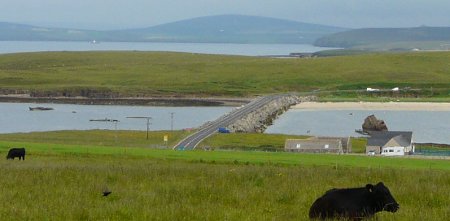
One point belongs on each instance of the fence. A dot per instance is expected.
(433, 152)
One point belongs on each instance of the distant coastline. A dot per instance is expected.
(226, 101)
(7, 47)
(141, 101)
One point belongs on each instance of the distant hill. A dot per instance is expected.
(19, 32)
(211, 29)
(389, 38)
(237, 29)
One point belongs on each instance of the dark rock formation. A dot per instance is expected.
(371, 123)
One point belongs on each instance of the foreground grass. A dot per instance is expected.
(65, 172)
(68, 187)
(158, 73)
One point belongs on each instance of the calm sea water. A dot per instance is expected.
(427, 126)
(206, 48)
(16, 117)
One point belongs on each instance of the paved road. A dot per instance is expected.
(193, 140)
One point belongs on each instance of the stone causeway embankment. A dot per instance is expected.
(258, 120)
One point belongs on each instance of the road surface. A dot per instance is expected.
(193, 140)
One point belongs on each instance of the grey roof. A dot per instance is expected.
(380, 138)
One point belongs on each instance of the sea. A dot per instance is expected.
(204, 48)
(17, 117)
(427, 126)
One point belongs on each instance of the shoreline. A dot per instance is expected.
(225, 101)
(391, 106)
(141, 101)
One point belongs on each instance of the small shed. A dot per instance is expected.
(390, 143)
(319, 145)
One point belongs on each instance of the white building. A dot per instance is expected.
(390, 143)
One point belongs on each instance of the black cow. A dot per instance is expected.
(354, 203)
(16, 152)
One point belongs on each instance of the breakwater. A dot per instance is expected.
(258, 120)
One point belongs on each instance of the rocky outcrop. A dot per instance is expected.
(257, 121)
(371, 123)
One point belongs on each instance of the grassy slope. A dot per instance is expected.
(64, 173)
(153, 73)
(68, 186)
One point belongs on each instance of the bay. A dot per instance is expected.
(205, 48)
(427, 126)
(16, 117)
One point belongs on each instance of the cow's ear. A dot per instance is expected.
(369, 187)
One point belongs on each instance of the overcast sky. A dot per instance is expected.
(117, 14)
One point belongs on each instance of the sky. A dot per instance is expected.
(121, 14)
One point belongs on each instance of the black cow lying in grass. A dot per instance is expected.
(353, 203)
(16, 152)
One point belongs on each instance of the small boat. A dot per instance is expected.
(40, 108)
(105, 120)
(362, 132)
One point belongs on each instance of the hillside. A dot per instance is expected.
(237, 29)
(19, 32)
(390, 38)
(216, 29)
(121, 74)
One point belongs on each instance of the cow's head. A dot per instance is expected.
(382, 196)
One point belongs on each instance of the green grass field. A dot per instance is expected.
(65, 173)
(232, 141)
(186, 74)
(62, 182)
(100, 138)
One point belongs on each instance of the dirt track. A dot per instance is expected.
(411, 106)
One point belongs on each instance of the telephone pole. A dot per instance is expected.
(171, 120)
(148, 122)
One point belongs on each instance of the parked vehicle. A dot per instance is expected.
(371, 153)
(224, 130)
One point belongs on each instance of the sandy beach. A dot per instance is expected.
(400, 106)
